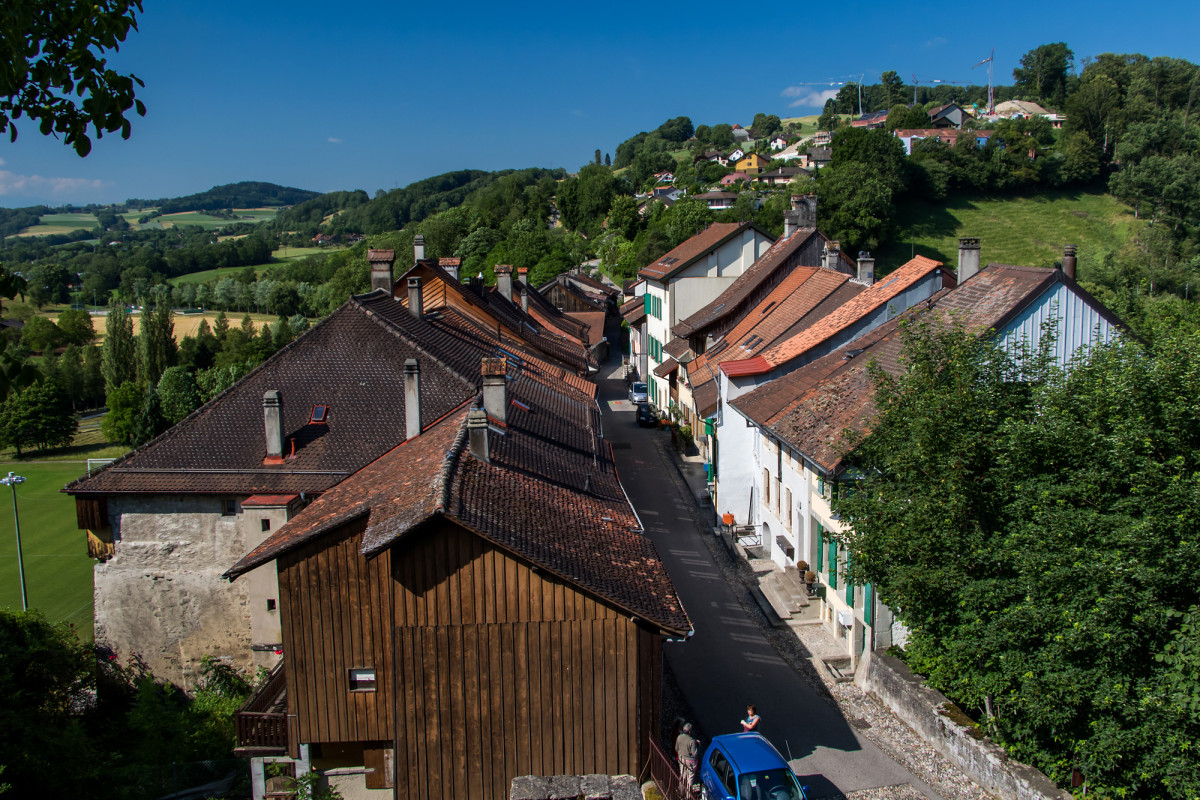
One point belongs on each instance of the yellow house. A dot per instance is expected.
(752, 164)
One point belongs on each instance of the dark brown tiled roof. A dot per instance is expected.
(676, 347)
(549, 314)
(593, 322)
(560, 507)
(682, 256)
(666, 368)
(634, 311)
(350, 362)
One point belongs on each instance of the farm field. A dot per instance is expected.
(1026, 231)
(58, 571)
(186, 324)
(52, 224)
(215, 274)
(286, 253)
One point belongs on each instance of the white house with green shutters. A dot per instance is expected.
(799, 421)
(685, 280)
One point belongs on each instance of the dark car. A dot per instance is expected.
(745, 766)
(646, 416)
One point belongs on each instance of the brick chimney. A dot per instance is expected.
(273, 423)
(415, 306)
(968, 258)
(504, 280)
(1068, 262)
(477, 432)
(495, 389)
(418, 248)
(866, 268)
(523, 277)
(381, 262)
(412, 398)
(833, 252)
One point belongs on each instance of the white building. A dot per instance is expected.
(797, 425)
(688, 278)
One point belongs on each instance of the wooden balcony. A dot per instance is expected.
(262, 721)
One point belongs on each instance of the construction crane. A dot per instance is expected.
(990, 61)
(836, 82)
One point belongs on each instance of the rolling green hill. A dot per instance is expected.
(1028, 231)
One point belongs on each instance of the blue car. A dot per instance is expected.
(745, 766)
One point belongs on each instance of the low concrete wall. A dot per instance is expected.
(943, 725)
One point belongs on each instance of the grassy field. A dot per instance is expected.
(1028, 231)
(51, 224)
(58, 572)
(296, 253)
(215, 274)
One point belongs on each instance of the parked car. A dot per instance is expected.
(646, 417)
(638, 393)
(745, 766)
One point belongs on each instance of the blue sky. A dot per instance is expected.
(370, 95)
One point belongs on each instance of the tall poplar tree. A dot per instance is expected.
(156, 343)
(118, 361)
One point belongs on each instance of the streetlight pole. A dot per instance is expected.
(11, 481)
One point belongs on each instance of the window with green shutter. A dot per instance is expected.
(833, 576)
(869, 604)
(820, 548)
(849, 582)
(646, 303)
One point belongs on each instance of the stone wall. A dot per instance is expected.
(575, 787)
(944, 726)
(161, 597)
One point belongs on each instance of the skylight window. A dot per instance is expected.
(320, 415)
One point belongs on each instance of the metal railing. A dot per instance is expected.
(665, 776)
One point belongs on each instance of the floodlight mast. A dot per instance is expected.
(990, 61)
(11, 481)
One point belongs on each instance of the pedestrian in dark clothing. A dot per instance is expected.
(750, 723)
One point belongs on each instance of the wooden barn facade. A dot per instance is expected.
(477, 604)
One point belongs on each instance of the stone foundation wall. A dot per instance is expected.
(575, 787)
(944, 726)
(162, 598)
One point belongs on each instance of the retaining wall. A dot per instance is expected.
(950, 732)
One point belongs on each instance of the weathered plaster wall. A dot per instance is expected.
(162, 597)
(940, 723)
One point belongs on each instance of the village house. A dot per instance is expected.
(947, 136)
(796, 458)
(718, 201)
(752, 164)
(688, 278)
(778, 143)
(496, 609)
(166, 519)
(950, 115)
(633, 311)
(780, 177)
(841, 320)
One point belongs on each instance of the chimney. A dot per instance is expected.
(791, 218)
(806, 204)
(415, 306)
(412, 399)
(833, 252)
(418, 248)
(504, 280)
(495, 389)
(866, 268)
(968, 258)
(381, 262)
(477, 431)
(450, 265)
(523, 277)
(1068, 262)
(273, 422)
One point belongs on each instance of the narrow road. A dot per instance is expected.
(728, 662)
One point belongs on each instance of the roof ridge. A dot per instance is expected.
(398, 331)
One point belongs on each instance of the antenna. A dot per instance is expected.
(990, 61)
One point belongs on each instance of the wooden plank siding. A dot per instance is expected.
(487, 668)
(336, 614)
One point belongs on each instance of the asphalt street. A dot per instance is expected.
(728, 662)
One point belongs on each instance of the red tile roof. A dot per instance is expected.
(811, 408)
(682, 256)
(867, 302)
(594, 320)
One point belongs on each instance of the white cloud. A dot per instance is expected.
(936, 41)
(12, 183)
(334, 140)
(808, 97)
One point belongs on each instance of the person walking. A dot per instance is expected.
(686, 751)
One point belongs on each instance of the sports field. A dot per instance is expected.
(58, 572)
